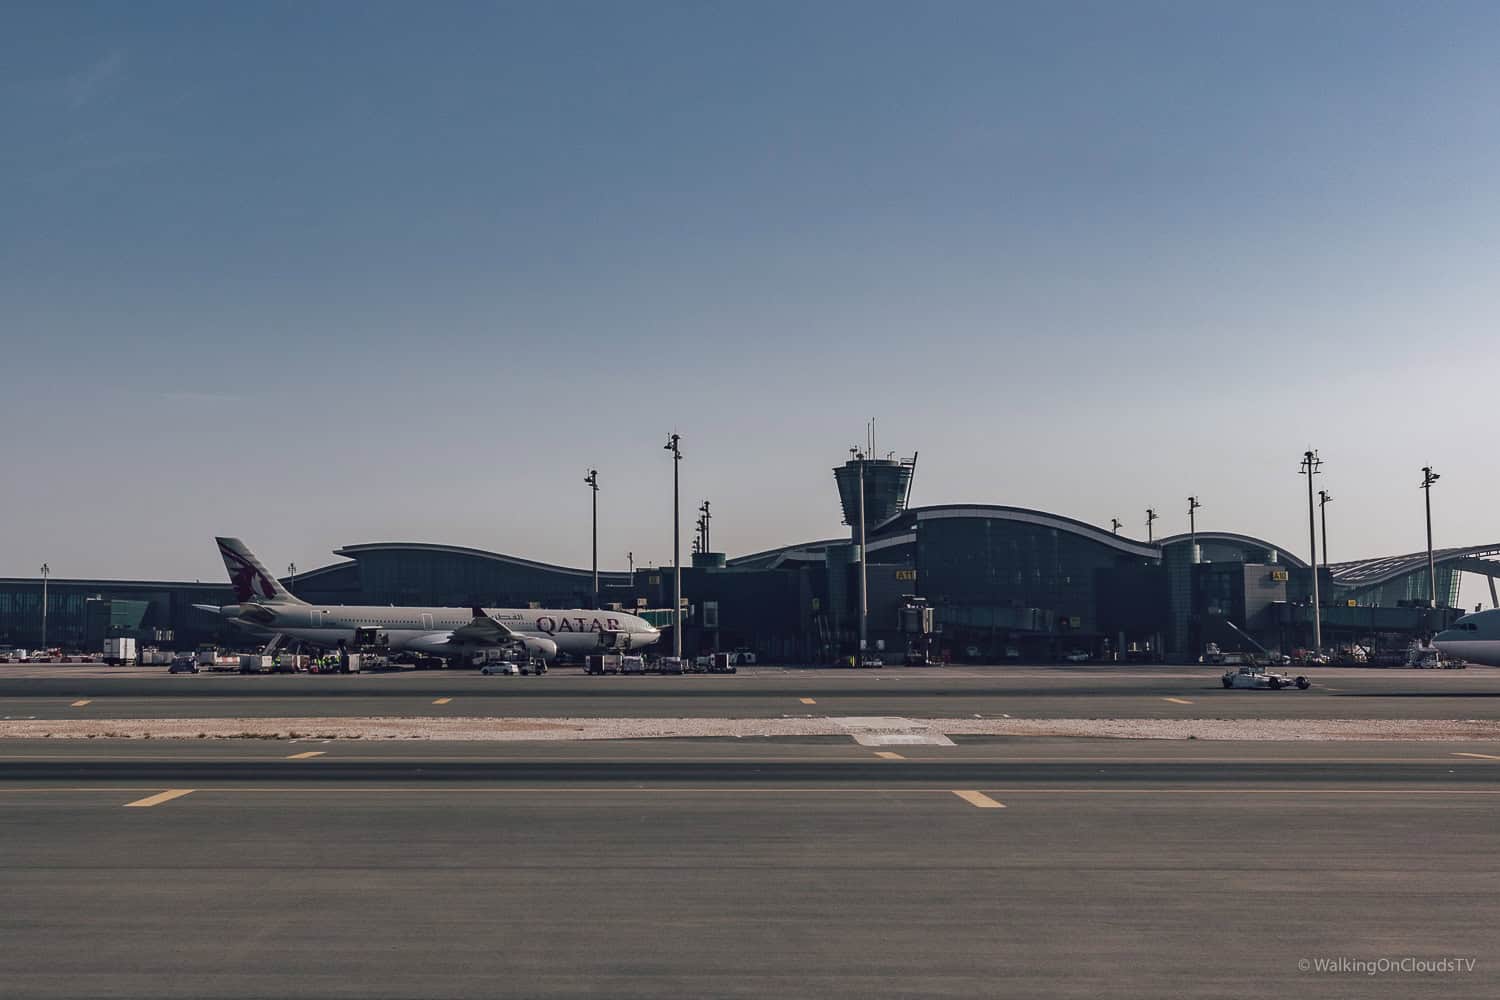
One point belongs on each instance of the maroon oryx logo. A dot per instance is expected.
(248, 581)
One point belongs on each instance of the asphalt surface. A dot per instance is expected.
(1150, 692)
(675, 868)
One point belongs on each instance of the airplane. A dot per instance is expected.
(454, 634)
(1475, 638)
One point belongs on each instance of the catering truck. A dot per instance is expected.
(118, 650)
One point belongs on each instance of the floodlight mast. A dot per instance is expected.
(46, 572)
(1324, 499)
(672, 446)
(864, 585)
(1310, 468)
(1428, 478)
(1193, 506)
(592, 481)
(1151, 517)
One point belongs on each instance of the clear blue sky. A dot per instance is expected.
(317, 274)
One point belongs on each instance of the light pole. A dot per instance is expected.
(1114, 525)
(592, 479)
(46, 572)
(1193, 506)
(864, 586)
(1310, 468)
(1151, 516)
(1428, 478)
(1323, 498)
(291, 569)
(672, 446)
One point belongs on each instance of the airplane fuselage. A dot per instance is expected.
(429, 630)
(1475, 638)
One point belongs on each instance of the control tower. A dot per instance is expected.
(887, 488)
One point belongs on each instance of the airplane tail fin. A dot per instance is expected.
(252, 584)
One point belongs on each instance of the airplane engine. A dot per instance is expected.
(545, 648)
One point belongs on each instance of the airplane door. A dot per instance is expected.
(317, 618)
(426, 619)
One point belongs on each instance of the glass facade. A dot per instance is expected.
(81, 612)
(968, 563)
(1406, 589)
(1018, 583)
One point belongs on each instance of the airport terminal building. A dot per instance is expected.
(1004, 583)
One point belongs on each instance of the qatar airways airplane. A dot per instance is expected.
(1473, 637)
(451, 633)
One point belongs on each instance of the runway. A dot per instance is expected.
(1143, 693)
(1010, 764)
(1049, 868)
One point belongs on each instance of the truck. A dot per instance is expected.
(602, 663)
(119, 650)
(256, 663)
(212, 659)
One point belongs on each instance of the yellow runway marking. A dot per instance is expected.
(1481, 756)
(306, 754)
(82, 702)
(442, 701)
(807, 701)
(888, 755)
(159, 798)
(979, 800)
(1178, 701)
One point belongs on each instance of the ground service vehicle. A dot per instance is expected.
(119, 650)
(1259, 678)
(602, 663)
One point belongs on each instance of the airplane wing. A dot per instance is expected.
(482, 630)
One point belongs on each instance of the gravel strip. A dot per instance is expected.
(515, 729)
